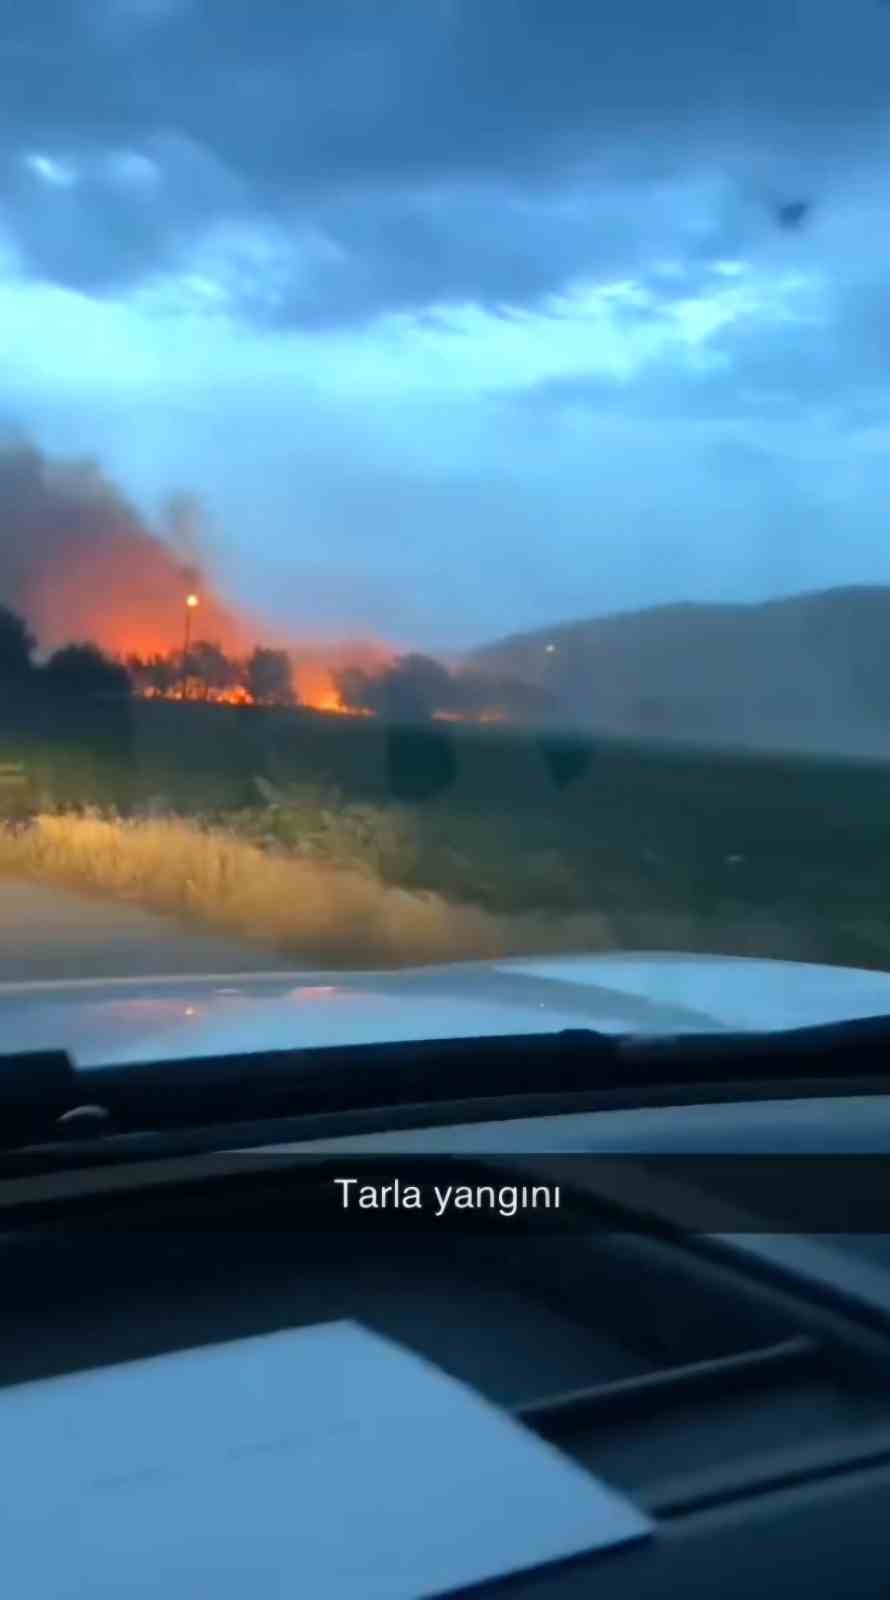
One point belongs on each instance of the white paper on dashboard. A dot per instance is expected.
(322, 1463)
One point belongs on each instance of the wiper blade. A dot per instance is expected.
(36, 1089)
(42, 1095)
(207, 1089)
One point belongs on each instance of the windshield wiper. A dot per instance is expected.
(39, 1090)
(43, 1096)
(37, 1087)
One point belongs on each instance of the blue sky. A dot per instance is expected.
(465, 316)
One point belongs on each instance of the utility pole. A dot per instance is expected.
(191, 601)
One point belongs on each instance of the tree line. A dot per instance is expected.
(82, 668)
(85, 669)
(206, 672)
(411, 688)
(414, 687)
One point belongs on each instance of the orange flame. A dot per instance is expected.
(84, 566)
(315, 669)
(315, 687)
(130, 597)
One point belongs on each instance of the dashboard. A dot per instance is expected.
(732, 1382)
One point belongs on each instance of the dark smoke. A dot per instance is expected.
(81, 566)
(79, 563)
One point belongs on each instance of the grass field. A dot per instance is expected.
(320, 912)
(517, 841)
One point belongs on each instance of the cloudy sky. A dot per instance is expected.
(462, 316)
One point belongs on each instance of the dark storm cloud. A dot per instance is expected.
(496, 242)
(91, 217)
(510, 242)
(427, 140)
(337, 87)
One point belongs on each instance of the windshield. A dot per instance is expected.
(442, 500)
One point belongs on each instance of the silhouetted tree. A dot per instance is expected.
(415, 687)
(410, 689)
(358, 690)
(268, 677)
(83, 669)
(88, 696)
(16, 644)
(210, 668)
(158, 674)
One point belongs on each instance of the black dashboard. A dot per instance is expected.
(735, 1386)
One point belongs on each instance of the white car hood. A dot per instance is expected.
(171, 1018)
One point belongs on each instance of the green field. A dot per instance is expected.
(676, 849)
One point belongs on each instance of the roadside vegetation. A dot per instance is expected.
(326, 882)
(323, 909)
(372, 841)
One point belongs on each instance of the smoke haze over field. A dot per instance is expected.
(807, 673)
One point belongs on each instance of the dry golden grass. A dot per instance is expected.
(314, 911)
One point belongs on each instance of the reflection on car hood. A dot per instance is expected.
(154, 1019)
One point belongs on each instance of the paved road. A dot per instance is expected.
(48, 934)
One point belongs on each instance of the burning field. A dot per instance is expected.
(81, 566)
(202, 812)
(359, 838)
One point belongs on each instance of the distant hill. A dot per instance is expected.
(809, 673)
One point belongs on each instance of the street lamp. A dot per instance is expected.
(191, 602)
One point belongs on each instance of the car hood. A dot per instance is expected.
(170, 1018)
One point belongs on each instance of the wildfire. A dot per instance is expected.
(314, 686)
(128, 595)
(315, 673)
(217, 697)
(239, 696)
(317, 691)
(80, 564)
(348, 681)
(207, 674)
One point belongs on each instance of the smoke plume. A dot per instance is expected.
(79, 563)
